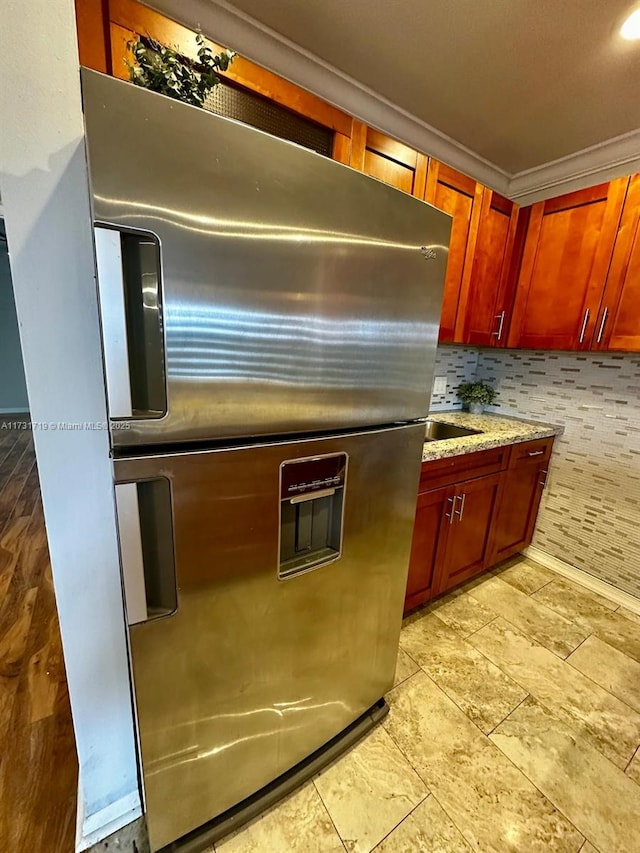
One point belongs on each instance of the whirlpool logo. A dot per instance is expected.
(428, 253)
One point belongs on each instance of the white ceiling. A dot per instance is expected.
(519, 82)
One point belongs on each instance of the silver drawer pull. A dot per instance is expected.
(536, 452)
(310, 496)
(543, 482)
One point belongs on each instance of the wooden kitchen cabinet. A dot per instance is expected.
(468, 533)
(486, 310)
(568, 247)
(105, 28)
(474, 510)
(521, 488)
(618, 325)
(556, 291)
(461, 197)
(388, 160)
(428, 537)
(452, 521)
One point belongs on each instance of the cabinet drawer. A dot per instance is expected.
(531, 451)
(467, 466)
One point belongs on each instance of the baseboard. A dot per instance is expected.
(583, 578)
(100, 825)
(13, 411)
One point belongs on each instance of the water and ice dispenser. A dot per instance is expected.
(311, 512)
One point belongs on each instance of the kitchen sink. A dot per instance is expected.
(439, 431)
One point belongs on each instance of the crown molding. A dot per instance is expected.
(612, 158)
(228, 25)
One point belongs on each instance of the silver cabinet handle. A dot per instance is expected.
(500, 317)
(602, 322)
(449, 515)
(536, 452)
(460, 513)
(543, 482)
(584, 325)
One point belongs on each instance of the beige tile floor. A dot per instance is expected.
(514, 726)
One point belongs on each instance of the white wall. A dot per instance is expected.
(13, 390)
(46, 206)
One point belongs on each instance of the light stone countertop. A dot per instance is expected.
(496, 431)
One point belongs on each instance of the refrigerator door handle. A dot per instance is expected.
(114, 324)
(129, 291)
(131, 558)
(145, 531)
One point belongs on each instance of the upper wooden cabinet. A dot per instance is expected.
(106, 28)
(487, 307)
(618, 325)
(566, 257)
(550, 276)
(461, 197)
(388, 160)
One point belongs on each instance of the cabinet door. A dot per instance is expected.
(618, 326)
(487, 308)
(468, 536)
(461, 197)
(521, 488)
(433, 514)
(564, 266)
(108, 25)
(388, 160)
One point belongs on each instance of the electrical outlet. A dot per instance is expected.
(440, 385)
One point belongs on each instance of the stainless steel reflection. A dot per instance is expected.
(251, 674)
(250, 290)
(298, 295)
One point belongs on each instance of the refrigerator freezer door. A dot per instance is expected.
(252, 672)
(296, 294)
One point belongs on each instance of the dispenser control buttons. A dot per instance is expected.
(307, 475)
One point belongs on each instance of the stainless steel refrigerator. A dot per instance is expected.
(269, 320)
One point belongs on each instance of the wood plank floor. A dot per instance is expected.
(38, 767)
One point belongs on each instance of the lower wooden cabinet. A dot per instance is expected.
(468, 528)
(518, 502)
(428, 533)
(480, 511)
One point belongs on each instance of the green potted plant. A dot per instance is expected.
(162, 69)
(477, 395)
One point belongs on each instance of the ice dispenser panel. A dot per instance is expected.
(311, 503)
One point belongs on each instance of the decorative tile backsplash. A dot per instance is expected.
(458, 364)
(590, 512)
